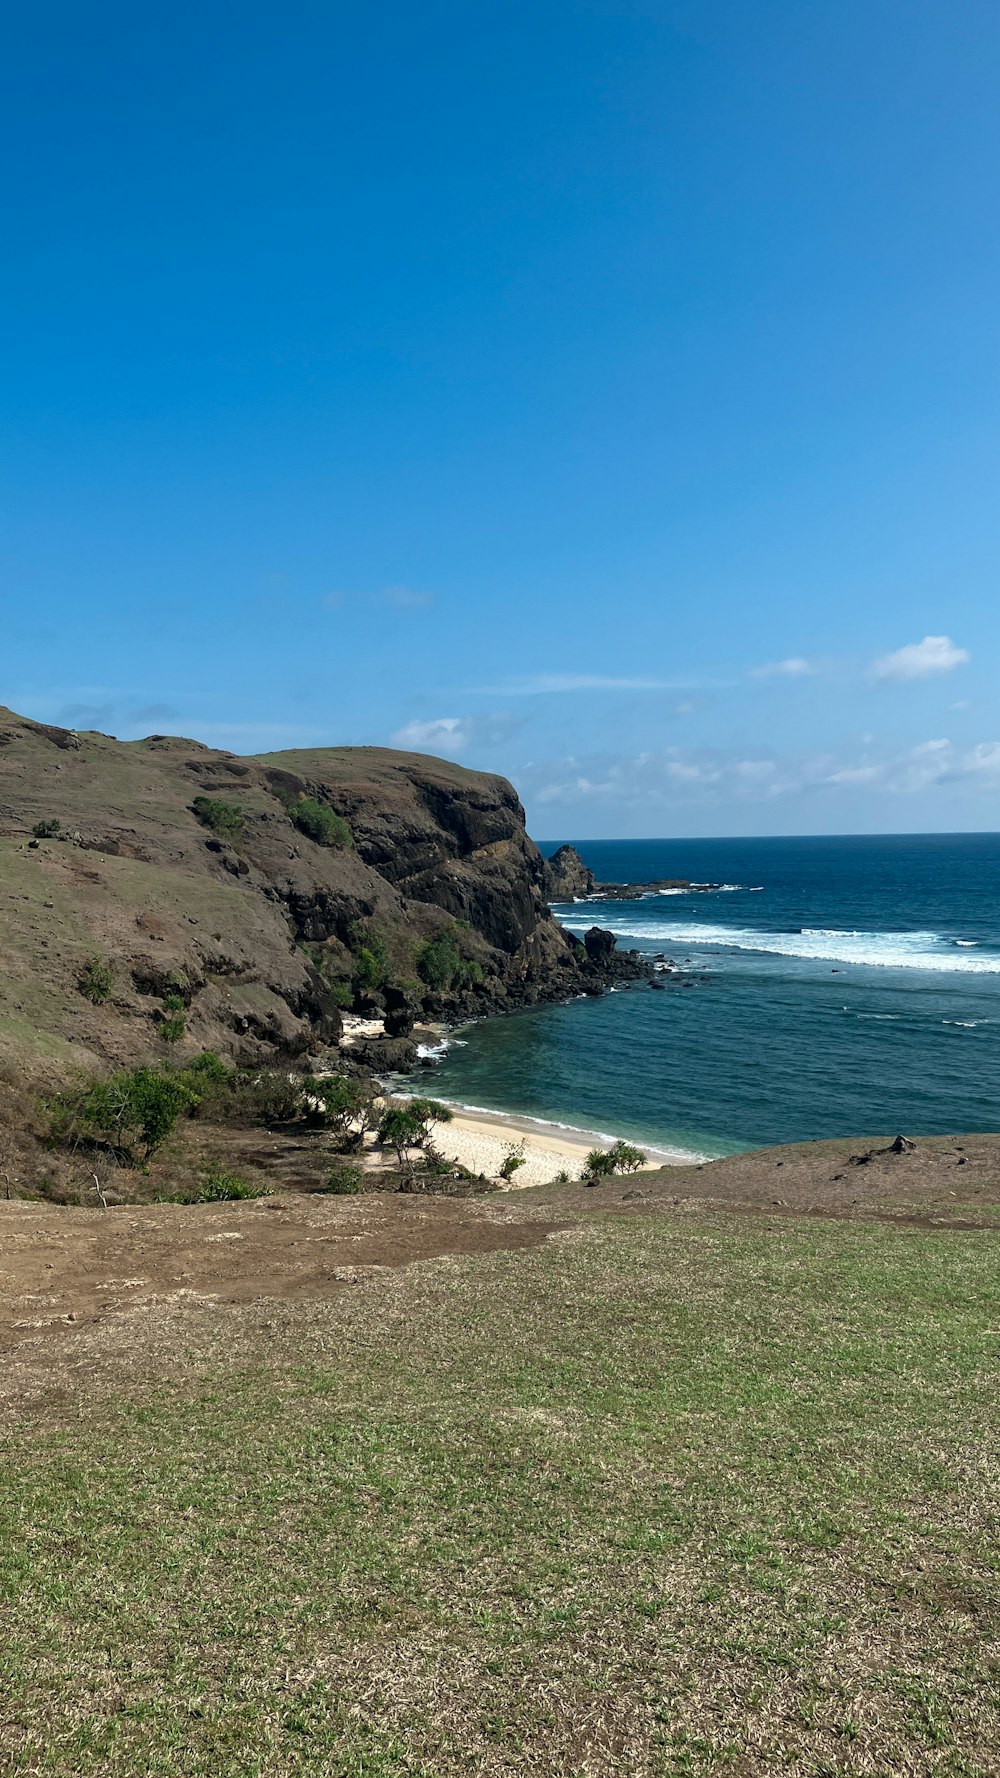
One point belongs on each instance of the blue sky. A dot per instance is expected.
(602, 393)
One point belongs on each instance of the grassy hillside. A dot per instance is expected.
(674, 1492)
(251, 888)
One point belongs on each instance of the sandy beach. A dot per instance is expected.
(480, 1140)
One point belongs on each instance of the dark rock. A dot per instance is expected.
(386, 1055)
(566, 877)
(600, 944)
(902, 1145)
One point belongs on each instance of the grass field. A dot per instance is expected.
(668, 1494)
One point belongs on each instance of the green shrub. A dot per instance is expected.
(320, 823)
(441, 965)
(599, 1164)
(225, 1188)
(348, 1106)
(343, 995)
(172, 1028)
(208, 1067)
(96, 979)
(223, 818)
(173, 1003)
(271, 1097)
(46, 830)
(621, 1157)
(344, 1180)
(400, 1128)
(627, 1159)
(372, 962)
(134, 1107)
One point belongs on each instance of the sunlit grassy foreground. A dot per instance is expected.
(666, 1495)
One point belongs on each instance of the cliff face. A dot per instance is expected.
(133, 924)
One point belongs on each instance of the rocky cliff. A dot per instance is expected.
(161, 892)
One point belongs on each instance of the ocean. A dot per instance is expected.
(841, 986)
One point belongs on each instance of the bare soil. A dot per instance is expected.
(63, 1266)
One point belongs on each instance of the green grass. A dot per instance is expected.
(665, 1495)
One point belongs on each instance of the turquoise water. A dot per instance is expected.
(843, 986)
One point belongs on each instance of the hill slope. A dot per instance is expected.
(253, 939)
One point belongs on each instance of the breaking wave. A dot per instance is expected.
(876, 950)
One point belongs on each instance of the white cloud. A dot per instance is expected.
(443, 734)
(918, 660)
(794, 668)
(708, 777)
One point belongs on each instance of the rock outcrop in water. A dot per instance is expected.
(161, 896)
(567, 877)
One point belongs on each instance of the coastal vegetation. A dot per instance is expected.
(442, 964)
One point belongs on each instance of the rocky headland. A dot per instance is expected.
(160, 897)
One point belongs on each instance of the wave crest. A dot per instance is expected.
(876, 950)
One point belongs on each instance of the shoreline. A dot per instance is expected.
(479, 1139)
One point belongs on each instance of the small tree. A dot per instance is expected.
(400, 1128)
(47, 830)
(372, 962)
(441, 963)
(429, 1112)
(513, 1159)
(134, 1107)
(349, 1107)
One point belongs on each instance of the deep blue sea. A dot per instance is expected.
(842, 986)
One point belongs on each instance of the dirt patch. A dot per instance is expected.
(61, 1268)
(940, 1181)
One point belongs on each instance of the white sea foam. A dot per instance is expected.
(433, 1052)
(885, 950)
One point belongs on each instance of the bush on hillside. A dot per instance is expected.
(441, 965)
(136, 1109)
(224, 1188)
(222, 818)
(344, 1180)
(47, 830)
(621, 1157)
(320, 823)
(96, 979)
(372, 962)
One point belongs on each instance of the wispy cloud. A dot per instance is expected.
(537, 684)
(918, 660)
(398, 598)
(708, 777)
(796, 667)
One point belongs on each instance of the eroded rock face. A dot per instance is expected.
(252, 927)
(566, 876)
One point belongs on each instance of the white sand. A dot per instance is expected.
(481, 1140)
